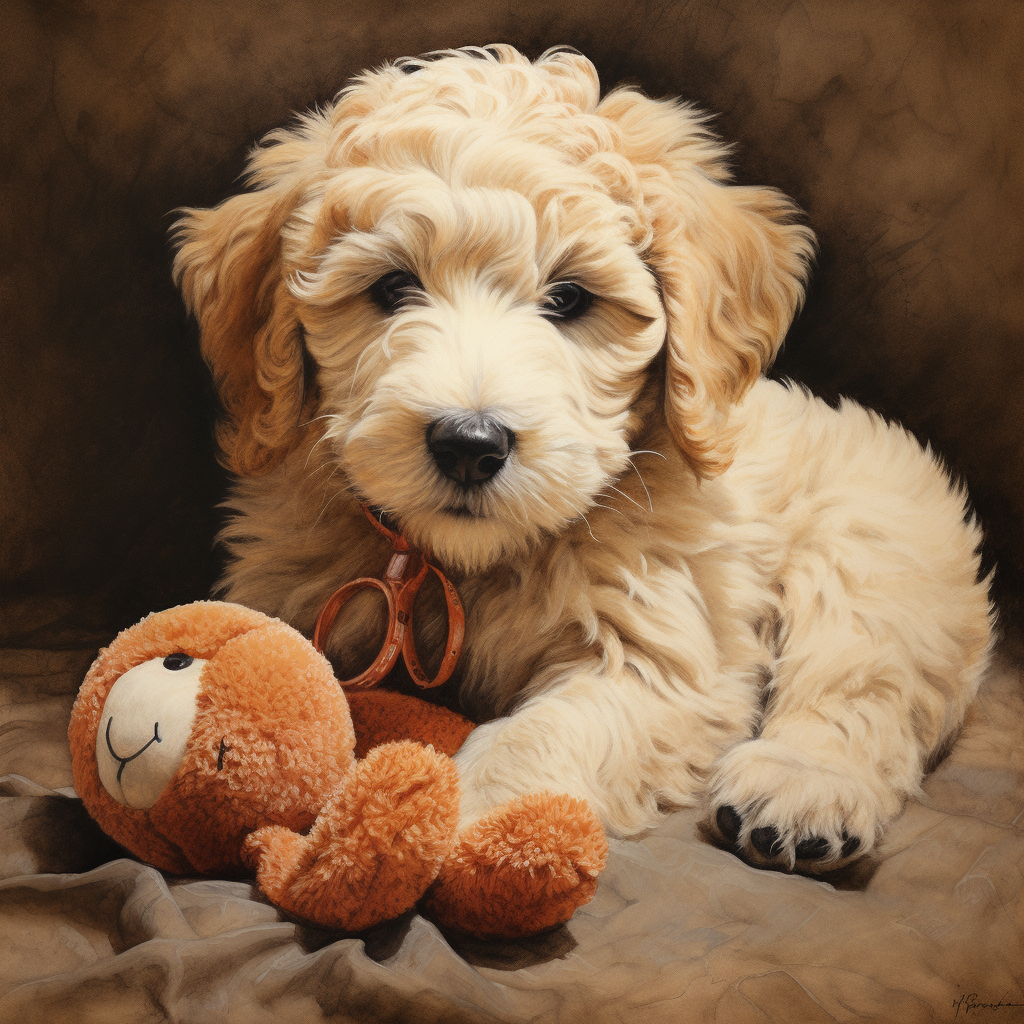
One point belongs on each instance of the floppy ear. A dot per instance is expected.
(731, 263)
(230, 268)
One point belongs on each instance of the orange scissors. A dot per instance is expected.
(403, 577)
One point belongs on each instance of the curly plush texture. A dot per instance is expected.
(522, 869)
(379, 839)
(199, 630)
(342, 827)
(269, 780)
(383, 716)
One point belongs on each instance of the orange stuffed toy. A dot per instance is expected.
(213, 738)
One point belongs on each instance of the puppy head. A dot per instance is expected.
(464, 273)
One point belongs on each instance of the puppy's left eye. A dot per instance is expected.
(393, 289)
(567, 301)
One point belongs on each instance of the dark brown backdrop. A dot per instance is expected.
(895, 125)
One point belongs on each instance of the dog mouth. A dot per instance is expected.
(462, 512)
(386, 517)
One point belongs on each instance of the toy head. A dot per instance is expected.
(202, 723)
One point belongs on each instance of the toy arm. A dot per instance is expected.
(383, 716)
(375, 847)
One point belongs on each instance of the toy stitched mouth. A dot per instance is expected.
(131, 757)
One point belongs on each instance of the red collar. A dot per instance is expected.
(403, 577)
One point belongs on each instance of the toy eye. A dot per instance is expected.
(567, 301)
(176, 662)
(394, 289)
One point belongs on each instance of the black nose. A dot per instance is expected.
(469, 448)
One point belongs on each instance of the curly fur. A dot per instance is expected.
(687, 583)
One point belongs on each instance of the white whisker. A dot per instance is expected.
(644, 486)
(628, 498)
(333, 466)
(585, 519)
(322, 437)
(327, 505)
(322, 416)
(611, 508)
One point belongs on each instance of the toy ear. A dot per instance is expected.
(731, 262)
(231, 270)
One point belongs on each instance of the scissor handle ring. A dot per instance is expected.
(385, 661)
(453, 645)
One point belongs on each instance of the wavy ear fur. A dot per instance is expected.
(230, 268)
(731, 262)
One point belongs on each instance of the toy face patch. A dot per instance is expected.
(144, 728)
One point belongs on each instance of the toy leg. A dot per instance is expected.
(374, 848)
(522, 868)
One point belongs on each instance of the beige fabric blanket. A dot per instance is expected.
(931, 930)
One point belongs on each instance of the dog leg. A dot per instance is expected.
(629, 743)
(873, 678)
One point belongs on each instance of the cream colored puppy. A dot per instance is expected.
(528, 325)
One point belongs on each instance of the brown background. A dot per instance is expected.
(895, 125)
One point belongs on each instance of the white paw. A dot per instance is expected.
(810, 811)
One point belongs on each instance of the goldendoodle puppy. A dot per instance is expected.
(528, 326)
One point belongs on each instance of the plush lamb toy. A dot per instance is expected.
(211, 738)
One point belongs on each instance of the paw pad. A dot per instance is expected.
(780, 805)
(812, 849)
(766, 841)
(770, 846)
(729, 823)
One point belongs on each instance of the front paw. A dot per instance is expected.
(808, 811)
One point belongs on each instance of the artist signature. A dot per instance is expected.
(970, 1001)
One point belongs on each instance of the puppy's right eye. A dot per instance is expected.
(393, 289)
